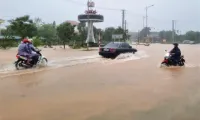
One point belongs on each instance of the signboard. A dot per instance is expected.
(117, 36)
(91, 4)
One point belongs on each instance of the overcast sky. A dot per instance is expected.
(186, 12)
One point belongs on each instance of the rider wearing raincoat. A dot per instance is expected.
(25, 49)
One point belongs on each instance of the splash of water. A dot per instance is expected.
(187, 65)
(72, 61)
(128, 57)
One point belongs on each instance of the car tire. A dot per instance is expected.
(134, 52)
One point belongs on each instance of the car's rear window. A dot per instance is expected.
(112, 45)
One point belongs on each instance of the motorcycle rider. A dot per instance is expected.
(23, 49)
(32, 52)
(175, 53)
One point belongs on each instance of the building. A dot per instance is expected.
(74, 23)
(13, 37)
(155, 38)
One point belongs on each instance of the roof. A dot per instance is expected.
(14, 37)
(72, 22)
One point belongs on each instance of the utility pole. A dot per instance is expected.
(125, 25)
(146, 19)
(143, 20)
(0, 29)
(173, 31)
(138, 37)
(123, 22)
(123, 18)
(88, 8)
(146, 8)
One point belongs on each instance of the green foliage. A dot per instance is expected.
(7, 43)
(37, 41)
(8, 32)
(107, 34)
(119, 30)
(48, 32)
(166, 35)
(65, 32)
(23, 27)
(192, 35)
(144, 32)
(38, 22)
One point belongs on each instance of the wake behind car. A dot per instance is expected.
(113, 49)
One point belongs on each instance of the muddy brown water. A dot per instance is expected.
(130, 90)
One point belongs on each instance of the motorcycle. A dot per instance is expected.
(169, 62)
(22, 62)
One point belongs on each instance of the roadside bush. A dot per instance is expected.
(77, 45)
(37, 42)
(7, 43)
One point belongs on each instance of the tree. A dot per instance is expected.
(8, 40)
(37, 41)
(107, 34)
(23, 26)
(65, 32)
(119, 30)
(166, 35)
(48, 32)
(54, 24)
(144, 32)
(192, 35)
(38, 22)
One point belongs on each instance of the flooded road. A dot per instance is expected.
(80, 85)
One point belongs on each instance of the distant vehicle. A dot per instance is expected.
(146, 44)
(113, 49)
(188, 42)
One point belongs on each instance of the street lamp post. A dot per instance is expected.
(147, 7)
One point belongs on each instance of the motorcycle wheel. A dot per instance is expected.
(181, 64)
(44, 62)
(19, 65)
(163, 65)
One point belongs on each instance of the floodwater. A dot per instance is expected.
(80, 85)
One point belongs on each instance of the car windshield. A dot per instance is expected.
(112, 45)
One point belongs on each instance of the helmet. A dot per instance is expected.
(30, 40)
(25, 40)
(175, 44)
